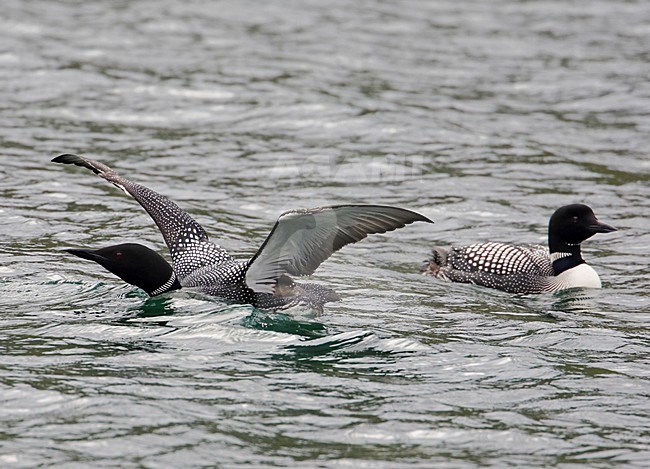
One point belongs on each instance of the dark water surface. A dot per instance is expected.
(484, 116)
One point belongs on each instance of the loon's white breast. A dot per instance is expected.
(580, 276)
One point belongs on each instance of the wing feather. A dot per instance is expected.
(302, 239)
(187, 240)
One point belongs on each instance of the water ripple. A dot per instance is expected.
(485, 118)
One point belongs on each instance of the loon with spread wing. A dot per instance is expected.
(298, 243)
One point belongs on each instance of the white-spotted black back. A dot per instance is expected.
(500, 259)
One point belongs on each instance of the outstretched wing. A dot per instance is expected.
(187, 240)
(302, 239)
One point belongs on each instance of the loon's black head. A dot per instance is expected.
(571, 225)
(135, 264)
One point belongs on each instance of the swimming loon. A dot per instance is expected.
(298, 243)
(526, 268)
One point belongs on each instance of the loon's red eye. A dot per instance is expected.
(118, 254)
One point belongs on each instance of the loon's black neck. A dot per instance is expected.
(565, 255)
(169, 285)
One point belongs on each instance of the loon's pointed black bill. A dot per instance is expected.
(87, 254)
(600, 227)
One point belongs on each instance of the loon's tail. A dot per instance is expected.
(437, 260)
